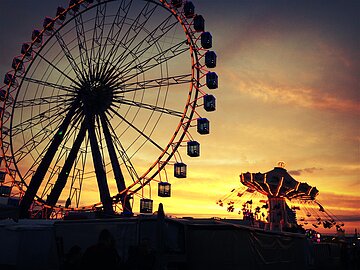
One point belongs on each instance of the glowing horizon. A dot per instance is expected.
(289, 90)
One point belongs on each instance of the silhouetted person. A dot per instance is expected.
(102, 255)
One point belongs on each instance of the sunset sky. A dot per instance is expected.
(289, 90)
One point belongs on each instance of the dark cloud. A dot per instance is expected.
(306, 170)
(332, 200)
(348, 218)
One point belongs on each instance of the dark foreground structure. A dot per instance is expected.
(158, 242)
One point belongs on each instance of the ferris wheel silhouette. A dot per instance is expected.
(106, 94)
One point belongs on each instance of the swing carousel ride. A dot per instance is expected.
(100, 104)
(277, 200)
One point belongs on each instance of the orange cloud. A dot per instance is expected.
(336, 201)
(303, 97)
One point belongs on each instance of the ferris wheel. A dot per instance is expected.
(104, 102)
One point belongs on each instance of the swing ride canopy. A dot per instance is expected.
(278, 183)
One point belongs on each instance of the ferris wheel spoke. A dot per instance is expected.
(151, 39)
(43, 167)
(43, 131)
(49, 115)
(150, 107)
(122, 153)
(40, 155)
(60, 71)
(31, 145)
(138, 130)
(59, 99)
(98, 32)
(38, 138)
(99, 167)
(113, 36)
(48, 84)
(127, 39)
(65, 171)
(151, 63)
(153, 83)
(83, 50)
(66, 51)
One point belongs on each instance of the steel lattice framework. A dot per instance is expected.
(106, 89)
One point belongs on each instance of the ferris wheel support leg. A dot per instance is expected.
(99, 168)
(119, 177)
(44, 165)
(65, 171)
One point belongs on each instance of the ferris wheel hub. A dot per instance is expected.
(96, 96)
